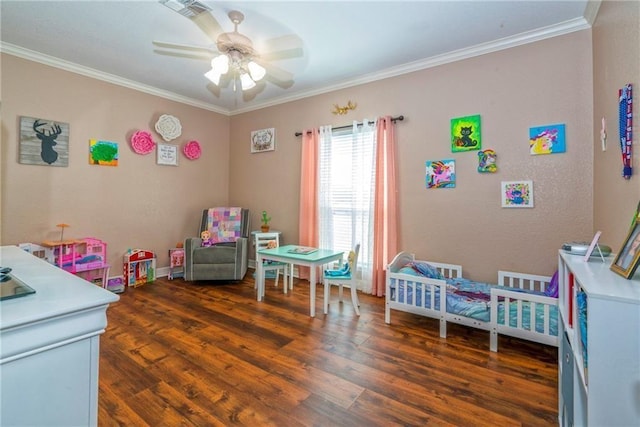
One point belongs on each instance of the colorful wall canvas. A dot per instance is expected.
(441, 173)
(44, 142)
(549, 139)
(466, 134)
(517, 194)
(103, 153)
(487, 161)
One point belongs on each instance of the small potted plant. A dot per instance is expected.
(264, 219)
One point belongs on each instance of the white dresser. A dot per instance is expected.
(604, 390)
(49, 345)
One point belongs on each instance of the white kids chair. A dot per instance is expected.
(267, 241)
(344, 276)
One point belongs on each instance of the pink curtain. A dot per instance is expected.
(385, 244)
(308, 231)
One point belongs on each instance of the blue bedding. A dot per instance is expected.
(467, 298)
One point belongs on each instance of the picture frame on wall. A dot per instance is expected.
(103, 153)
(167, 154)
(548, 139)
(517, 194)
(628, 258)
(441, 173)
(263, 140)
(466, 134)
(43, 142)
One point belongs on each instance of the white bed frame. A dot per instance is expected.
(505, 278)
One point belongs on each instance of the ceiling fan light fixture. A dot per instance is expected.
(213, 76)
(246, 81)
(220, 64)
(256, 71)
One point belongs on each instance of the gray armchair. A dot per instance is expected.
(221, 261)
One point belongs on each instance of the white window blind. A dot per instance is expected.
(346, 190)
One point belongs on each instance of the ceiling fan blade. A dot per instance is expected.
(285, 47)
(281, 84)
(283, 43)
(208, 24)
(178, 46)
(191, 55)
(282, 54)
(276, 72)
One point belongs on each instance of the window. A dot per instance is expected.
(346, 191)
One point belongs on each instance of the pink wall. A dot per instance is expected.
(536, 84)
(137, 204)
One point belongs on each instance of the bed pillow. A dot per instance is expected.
(552, 289)
(425, 269)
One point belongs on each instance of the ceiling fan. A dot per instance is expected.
(233, 55)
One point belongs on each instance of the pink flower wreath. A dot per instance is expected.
(142, 142)
(192, 150)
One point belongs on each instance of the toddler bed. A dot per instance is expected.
(520, 305)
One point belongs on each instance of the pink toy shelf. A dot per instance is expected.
(139, 267)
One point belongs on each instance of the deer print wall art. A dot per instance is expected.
(44, 142)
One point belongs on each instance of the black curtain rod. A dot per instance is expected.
(393, 119)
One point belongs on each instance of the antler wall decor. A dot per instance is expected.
(338, 110)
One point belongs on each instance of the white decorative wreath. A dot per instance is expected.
(168, 127)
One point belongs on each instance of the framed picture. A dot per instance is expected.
(466, 134)
(44, 142)
(441, 173)
(627, 259)
(103, 153)
(167, 154)
(517, 194)
(263, 140)
(549, 139)
(592, 246)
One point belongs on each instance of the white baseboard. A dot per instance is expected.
(164, 271)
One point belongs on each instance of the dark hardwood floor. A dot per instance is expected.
(207, 354)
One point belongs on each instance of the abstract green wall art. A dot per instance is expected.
(103, 153)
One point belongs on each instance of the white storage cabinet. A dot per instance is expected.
(604, 389)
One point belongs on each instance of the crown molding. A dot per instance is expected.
(539, 34)
(51, 61)
(591, 11)
(563, 28)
